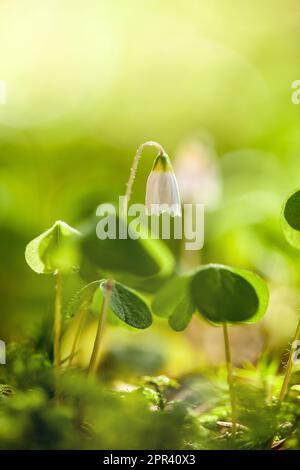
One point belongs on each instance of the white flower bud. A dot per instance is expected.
(162, 193)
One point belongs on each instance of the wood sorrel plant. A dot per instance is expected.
(141, 262)
(123, 302)
(290, 218)
(223, 295)
(162, 191)
(53, 252)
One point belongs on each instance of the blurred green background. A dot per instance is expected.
(89, 81)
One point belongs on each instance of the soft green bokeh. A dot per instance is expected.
(89, 81)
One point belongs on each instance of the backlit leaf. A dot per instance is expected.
(53, 250)
(225, 294)
(173, 301)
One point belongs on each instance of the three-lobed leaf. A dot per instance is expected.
(129, 306)
(53, 250)
(220, 293)
(126, 304)
(83, 298)
(225, 294)
(290, 218)
(173, 301)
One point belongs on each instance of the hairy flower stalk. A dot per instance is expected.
(133, 169)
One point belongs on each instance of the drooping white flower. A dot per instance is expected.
(162, 193)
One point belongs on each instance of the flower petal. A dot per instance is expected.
(162, 194)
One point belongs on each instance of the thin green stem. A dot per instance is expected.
(100, 328)
(230, 377)
(289, 367)
(82, 317)
(57, 320)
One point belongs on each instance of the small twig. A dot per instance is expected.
(277, 444)
(226, 424)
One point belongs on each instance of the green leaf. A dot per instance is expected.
(53, 250)
(182, 315)
(96, 304)
(129, 306)
(173, 301)
(225, 294)
(141, 263)
(83, 298)
(290, 218)
(125, 305)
